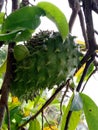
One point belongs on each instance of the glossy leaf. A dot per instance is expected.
(24, 18)
(34, 125)
(55, 15)
(91, 112)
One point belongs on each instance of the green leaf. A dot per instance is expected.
(2, 17)
(17, 35)
(65, 113)
(90, 111)
(77, 104)
(36, 99)
(24, 35)
(3, 68)
(24, 18)
(90, 70)
(74, 120)
(34, 125)
(55, 15)
(14, 112)
(8, 36)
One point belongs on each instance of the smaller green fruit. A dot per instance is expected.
(20, 52)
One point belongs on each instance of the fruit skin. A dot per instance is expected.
(50, 62)
(20, 52)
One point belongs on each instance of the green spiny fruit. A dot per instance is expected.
(49, 63)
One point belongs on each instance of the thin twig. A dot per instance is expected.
(81, 18)
(75, 6)
(84, 73)
(72, 20)
(67, 86)
(46, 103)
(95, 6)
(83, 61)
(48, 122)
(95, 31)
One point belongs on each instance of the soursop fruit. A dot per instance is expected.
(49, 63)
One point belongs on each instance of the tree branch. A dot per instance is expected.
(6, 83)
(75, 6)
(87, 8)
(81, 18)
(67, 120)
(14, 5)
(72, 20)
(95, 6)
(25, 2)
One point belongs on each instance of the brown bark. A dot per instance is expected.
(6, 83)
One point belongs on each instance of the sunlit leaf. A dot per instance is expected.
(80, 42)
(89, 72)
(26, 18)
(90, 111)
(50, 127)
(36, 100)
(1, 17)
(55, 15)
(80, 71)
(74, 120)
(3, 68)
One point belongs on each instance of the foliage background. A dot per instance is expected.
(19, 113)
